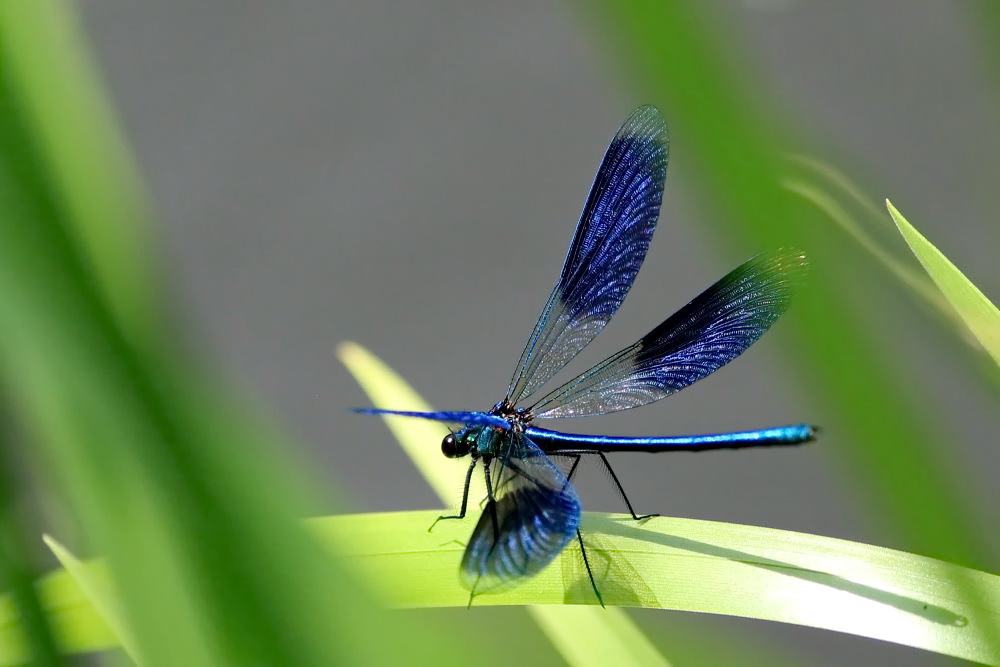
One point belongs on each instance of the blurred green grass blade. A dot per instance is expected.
(703, 566)
(92, 177)
(984, 19)
(690, 565)
(981, 316)
(613, 633)
(186, 493)
(735, 143)
(837, 212)
(93, 582)
(76, 624)
(846, 204)
(19, 567)
(854, 212)
(189, 501)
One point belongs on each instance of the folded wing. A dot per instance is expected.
(534, 514)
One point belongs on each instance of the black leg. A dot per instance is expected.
(590, 573)
(491, 503)
(577, 453)
(621, 489)
(572, 468)
(465, 499)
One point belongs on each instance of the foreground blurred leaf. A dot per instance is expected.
(77, 625)
(902, 465)
(734, 139)
(831, 191)
(981, 316)
(684, 564)
(19, 564)
(93, 582)
(89, 172)
(187, 493)
(846, 204)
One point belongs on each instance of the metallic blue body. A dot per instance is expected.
(532, 511)
(556, 442)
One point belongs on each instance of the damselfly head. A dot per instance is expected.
(455, 445)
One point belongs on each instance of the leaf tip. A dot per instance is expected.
(347, 350)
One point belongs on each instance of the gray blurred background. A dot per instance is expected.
(408, 175)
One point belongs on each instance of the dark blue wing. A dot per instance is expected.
(712, 330)
(467, 418)
(606, 252)
(534, 514)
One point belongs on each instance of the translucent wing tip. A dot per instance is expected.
(785, 259)
(767, 282)
(646, 117)
(792, 259)
(645, 124)
(784, 267)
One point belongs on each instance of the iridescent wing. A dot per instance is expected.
(533, 515)
(607, 250)
(712, 330)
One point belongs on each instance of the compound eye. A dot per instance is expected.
(450, 446)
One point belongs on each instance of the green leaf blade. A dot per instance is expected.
(978, 313)
(95, 585)
(666, 563)
(702, 566)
